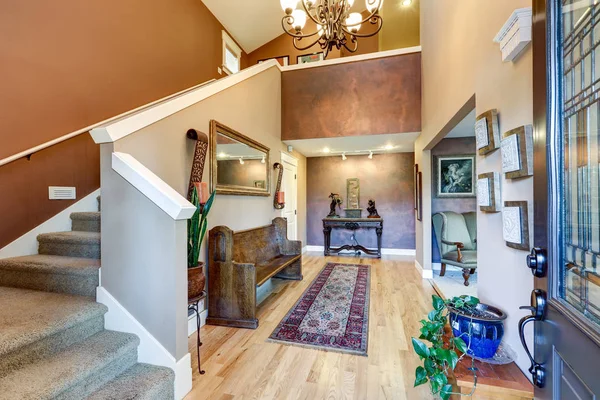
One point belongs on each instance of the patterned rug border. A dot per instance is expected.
(323, 347)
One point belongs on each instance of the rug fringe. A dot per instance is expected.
(315, 347)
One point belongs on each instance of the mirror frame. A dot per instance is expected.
(216, 128)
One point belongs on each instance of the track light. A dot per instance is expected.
(370, 155)
(344, 156)
(262, 161)
(241, 161)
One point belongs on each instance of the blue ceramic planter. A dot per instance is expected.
(481, 332)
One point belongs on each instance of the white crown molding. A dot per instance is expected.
(515, 34)
(151, 186)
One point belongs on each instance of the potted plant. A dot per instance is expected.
(196, 230)
(474, 325)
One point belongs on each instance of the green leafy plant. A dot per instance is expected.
(441, 356)
(197, 227)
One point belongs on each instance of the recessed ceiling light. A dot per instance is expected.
(326, 150)
(389, 147)
(222, 155)
(406, 3)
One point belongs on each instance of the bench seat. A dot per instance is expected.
(269, 269)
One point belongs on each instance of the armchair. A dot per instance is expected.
(457, 240)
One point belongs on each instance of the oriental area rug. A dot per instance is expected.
(332, 314)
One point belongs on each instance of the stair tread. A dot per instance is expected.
(142, 381)
(59, 372)
(86, 216)
(27, 316)
(70, 237)
(52, 264)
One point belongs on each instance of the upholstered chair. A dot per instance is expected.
(457, 240)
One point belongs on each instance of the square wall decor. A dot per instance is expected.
(488, 192)
(515, 224)
(487, 133)
(517, 152)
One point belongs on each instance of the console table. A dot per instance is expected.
(352, 224)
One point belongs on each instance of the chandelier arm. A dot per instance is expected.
(349, 49)
(364, 35)
(309, 14)
(295, 35)
(374, 14)
(307, 47)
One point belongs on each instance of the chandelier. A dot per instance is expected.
(335, 25)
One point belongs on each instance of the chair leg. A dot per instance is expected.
(472, 271)
(443, 270)
(466, 275)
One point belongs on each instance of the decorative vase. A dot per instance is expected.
(482, 330)
(196, 280)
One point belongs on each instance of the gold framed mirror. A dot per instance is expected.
(238, 165)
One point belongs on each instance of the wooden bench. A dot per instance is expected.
(239, 262)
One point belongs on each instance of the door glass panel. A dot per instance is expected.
(579, 273)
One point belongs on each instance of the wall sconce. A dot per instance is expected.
(279, 198)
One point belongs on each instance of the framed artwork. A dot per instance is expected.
(282, 60)
(260, 184)
(487, 133)
(488, 192)
(515, 224)
(419, 196)
(416, 192)
(455, 176)
(517, 152)
(309, 58)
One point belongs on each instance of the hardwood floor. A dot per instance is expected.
(240, 364)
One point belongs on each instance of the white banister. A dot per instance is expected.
(78, 132)
(151, 186)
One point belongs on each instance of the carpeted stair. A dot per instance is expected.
(53, 344)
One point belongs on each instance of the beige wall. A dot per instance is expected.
(253, 108)
(459, 61)
(400, 25)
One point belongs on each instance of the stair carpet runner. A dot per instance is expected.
(53, 344)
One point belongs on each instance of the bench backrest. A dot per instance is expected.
(255, 245)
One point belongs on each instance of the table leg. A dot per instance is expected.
(326, 240)
(379, 232)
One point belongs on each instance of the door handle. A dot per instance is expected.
(538, 313)
(537, 262)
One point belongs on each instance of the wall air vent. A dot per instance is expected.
(61, 193)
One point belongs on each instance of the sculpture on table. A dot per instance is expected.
(372, 210)
(336, 201)
(353, 194)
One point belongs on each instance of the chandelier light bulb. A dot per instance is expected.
(299, 19)
(389, 147)
(241, 161)
(373, 5)
(344, 156)
(353, 22)
(350, 3)
(288, 5)
(370, 155)
(326, 150)
(406, 3)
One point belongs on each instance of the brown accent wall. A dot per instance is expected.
(360, 98)
(387, 179)
(69, 64)
(24, 184)
(449, 147)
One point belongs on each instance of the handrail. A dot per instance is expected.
(78, 132)
(151, 186)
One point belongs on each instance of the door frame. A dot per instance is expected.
(285, 157)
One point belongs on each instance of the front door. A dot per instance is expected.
(566, 258)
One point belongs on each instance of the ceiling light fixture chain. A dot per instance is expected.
(335, 26)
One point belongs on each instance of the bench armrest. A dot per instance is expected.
(291, 247)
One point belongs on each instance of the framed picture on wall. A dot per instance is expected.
(419, 196)
(309, 58)
(455, 176)
(416, 192)
(282, 60)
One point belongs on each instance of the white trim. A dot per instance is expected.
(157, 190)
(425, 273)
(61, 222)
(229, 42)
(384, 251)
(192, 320)
(304, 250)
(285, 157)
(515, 34)
(91, 127)
(134, 121)
(150, 350)
(360, 57)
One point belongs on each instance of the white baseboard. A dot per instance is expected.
(150, 350)
(438, 267)
(304, 250)
(425, 273)
(192, 321)
(392, 252)
(28, 244)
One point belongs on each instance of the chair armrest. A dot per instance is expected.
(291, 247)
(459, 245)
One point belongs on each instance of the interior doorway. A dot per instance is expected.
(454, 210)
(289, 185)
